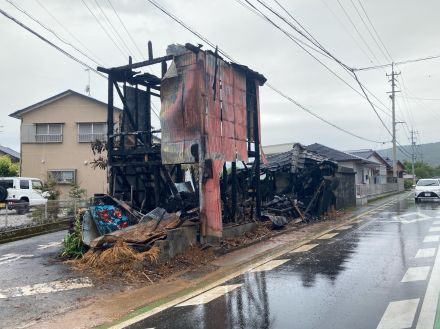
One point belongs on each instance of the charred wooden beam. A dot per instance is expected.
(141, 64)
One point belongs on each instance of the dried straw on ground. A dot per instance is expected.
(120, 260)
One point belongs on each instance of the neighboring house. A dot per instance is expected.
(379, 173)
(14, 155)
(56, 136)
(400, 168)
(364, 168)
(277, 148)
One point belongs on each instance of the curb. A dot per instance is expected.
(28, 232)
(224, 275)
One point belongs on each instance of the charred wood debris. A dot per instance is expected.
(150, 194)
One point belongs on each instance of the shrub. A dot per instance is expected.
(73, 247)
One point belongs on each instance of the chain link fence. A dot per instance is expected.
(51, 212)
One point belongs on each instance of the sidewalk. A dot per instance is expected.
(119, 307)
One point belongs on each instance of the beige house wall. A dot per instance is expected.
(38, 158)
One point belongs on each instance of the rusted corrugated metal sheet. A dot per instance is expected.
(180, 117)
(196, 107)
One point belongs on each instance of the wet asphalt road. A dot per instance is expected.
(365, 276)
(32, 263)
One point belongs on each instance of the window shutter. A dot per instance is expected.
(28, 132)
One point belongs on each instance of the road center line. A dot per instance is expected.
(425, 252)
(418, 273)
(269, 265)
(327, 236)
(343, 228)
(306, 247)
(432, 238)
(430, 302)
(210, 295)
(399, 314)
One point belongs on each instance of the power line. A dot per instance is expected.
(51, 31)
(345, 67)
(104, 29)
(397, 63)
(126, 30)
(421, 99)
(68, 31)
(204, 39)
(50, 43)
(368, 30)
(346, 30)
(112, 28)
(56, 47)
(357, 31)
(374, 29)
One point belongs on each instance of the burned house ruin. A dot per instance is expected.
(206, 156)
(209, 116)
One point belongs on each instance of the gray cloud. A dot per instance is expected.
(32, 71)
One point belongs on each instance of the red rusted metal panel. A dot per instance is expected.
(204, 107)
(210, 205)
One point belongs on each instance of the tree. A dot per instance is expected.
(422, 169)
(7, 168)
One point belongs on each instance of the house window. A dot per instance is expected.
(63, 176)
(89, 132)
(49, 133)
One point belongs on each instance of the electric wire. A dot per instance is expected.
(347, 30)
(69, 32)
(104, 29)
(64, 52)
(374, 29)
(66, 42)
(112, 28)
(51, 43)
(345, 67)
(357, 31)
(398, 63)
(211, 44)
(369, 31)
(126, 30)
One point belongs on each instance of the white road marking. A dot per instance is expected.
(306, 247)
(418, 273)
(416, 217)
(49, 245)
(432, 238)
(399, 314)
(425, 252)
(9, 258)
(345, 227)
(269, 265)
(210, 295)
(45, 288)
(434, 229)
(436, 222)
(430, 302)
(327, 236)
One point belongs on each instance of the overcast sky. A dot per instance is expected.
(32, 70)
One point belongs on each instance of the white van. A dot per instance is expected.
(20, 193)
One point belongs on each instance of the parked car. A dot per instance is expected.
(20, 193)
(427, 189)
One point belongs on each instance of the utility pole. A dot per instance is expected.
(393, 99)
(413, 154)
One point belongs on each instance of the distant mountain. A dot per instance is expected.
(430, 153)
